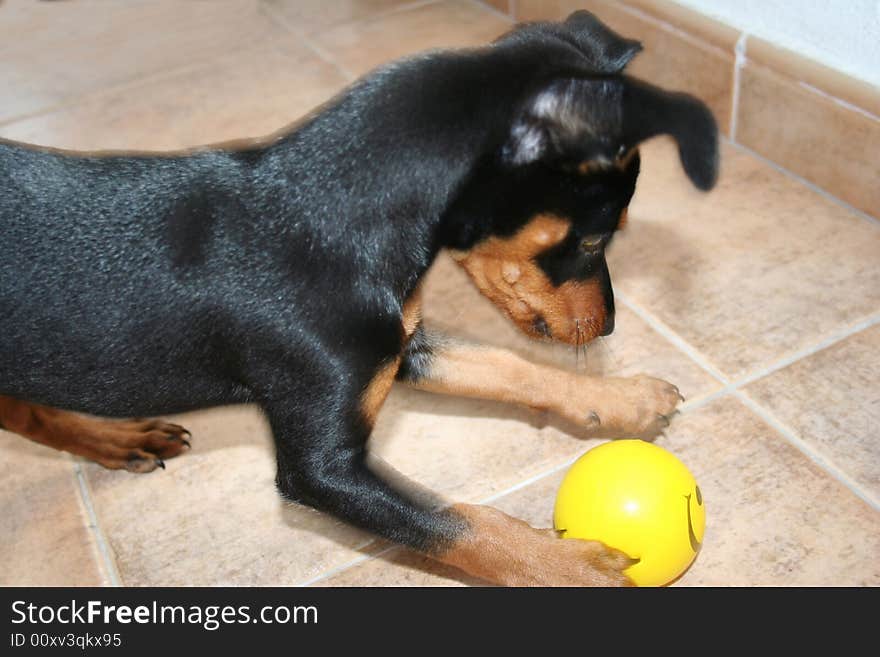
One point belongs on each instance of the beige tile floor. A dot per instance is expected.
(760, 300)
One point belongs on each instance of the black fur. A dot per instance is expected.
(135, 285)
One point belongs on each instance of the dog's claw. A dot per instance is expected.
(678, 393)
(664, 419)
(593, 419)
(160, 463)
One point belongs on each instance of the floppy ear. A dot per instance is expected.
(607, 51)
(650, 111)
(598, 119)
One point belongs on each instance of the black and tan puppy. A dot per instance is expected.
(286, 273)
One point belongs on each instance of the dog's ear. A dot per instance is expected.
(595, 120)
(650, 111)
(607, 51)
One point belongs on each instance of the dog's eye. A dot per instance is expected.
(592, 242)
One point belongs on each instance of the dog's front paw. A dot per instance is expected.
(575, 562)
(638, 406)
(507, 551)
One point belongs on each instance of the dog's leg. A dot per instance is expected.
(324, 465)
(134, 445)
(635, 406)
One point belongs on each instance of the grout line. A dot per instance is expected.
(398, 9)
(738, 62)
(838, 101)
(327, 574)
(528, 482)
(673, 337)
(100, 539)
(833, 338)
(810, 185)
(308, 42)
(672, 28)
(735, 386)
(327, 57)
(485, 6)
(792, 437)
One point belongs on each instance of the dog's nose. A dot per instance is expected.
(608, 329)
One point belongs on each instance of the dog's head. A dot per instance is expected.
(532, 224)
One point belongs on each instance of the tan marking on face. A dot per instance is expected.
(504, 270)
(377, 391)
(621, 162)
(621, 223)
(587, 167)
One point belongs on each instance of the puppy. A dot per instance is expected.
(286, 273)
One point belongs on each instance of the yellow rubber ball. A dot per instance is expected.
(639, 498)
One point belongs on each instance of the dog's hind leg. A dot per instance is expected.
(133, 445)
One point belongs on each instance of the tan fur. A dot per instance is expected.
(377, 391)
(504, 270)
(134, 445)
(504, 550)
(635, 406)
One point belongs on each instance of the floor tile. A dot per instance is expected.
(773, 517)
(252, 94)
(214, 516)
(500, 5)
(53, 51)
(830, 144)
(315, 15)
(399, 567)
(360, 47)
(832, 401)
(45, 539)
(751, 272)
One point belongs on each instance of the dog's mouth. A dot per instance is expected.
(541, 328)
(577, 332)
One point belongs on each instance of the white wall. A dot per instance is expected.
(842, 34)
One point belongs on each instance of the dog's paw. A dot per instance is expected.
(508, 551)
(575, 562)
(135, 445)
(639, 406)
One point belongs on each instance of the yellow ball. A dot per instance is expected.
(639, 498)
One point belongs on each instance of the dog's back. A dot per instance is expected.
(93, 276)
